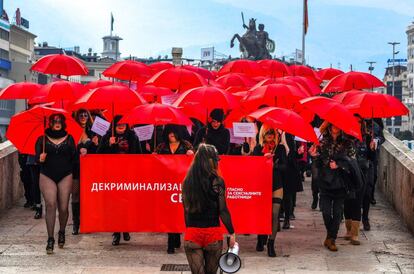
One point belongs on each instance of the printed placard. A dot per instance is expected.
(244, 130)
(100, 126)
(144, 133)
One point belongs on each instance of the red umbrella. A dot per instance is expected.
(33, 123)
(116, 99)
(312, 88)
(282, 81)
(305, 71)
(343, 97)
(153, 93)
(335, 113)
(198, 102)
(236, 89)
(235, 80)
(279, 95)
(60, 64)
(158, 66)
(328, 73)
(24, 90)
(248, 67)
(128, 70)
(60, 91)
(273, 68)
(101, 83)
(156, 114)
(286, 120)
(177, 78)
(205, 73)
(375, 105)
(235, 116)
(353, 80)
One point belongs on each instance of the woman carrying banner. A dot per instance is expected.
(272, 144)
(175, 145)
(56, 153)
(88, 143)
(332, 158)
(122, 140)
(204, 201)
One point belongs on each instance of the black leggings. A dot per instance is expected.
(352, 208)
(203, 260)
(288, 203)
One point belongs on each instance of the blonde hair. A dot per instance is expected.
(264, 130)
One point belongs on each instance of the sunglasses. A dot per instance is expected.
(83, 115)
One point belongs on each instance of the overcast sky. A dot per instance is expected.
(341, 32)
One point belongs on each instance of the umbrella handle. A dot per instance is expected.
(155, 137)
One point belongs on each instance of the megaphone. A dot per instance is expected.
(230, 261)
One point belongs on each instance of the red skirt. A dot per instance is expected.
(203, 236)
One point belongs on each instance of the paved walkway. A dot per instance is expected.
(387, 248)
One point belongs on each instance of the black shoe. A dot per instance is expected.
(366, 224)
(28, 204)
(292, 216)
(61, 239)
(261, 241)
(177, 242)
(50, 245)
(38, 212)
(116, 237)
(314, 204)
(271, 248)
(75, 218)
(286, 224)
(127, 237)
(373, 201)
(171, 243)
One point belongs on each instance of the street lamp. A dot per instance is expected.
(371, 66)
(393, 44)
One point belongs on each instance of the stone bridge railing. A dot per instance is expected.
(11, 189)
(396, 177)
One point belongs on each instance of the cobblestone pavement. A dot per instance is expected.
(387, 248)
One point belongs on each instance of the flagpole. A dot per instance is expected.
(303, 32)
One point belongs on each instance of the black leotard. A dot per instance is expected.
(59, 160)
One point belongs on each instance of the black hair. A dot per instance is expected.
(62, 119)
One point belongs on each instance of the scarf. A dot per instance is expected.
(269, 147)
(55, 134)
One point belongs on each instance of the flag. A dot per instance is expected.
(305, 16)
(112, 22)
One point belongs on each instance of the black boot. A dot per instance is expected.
(61, 239)
(171, 243)
(271, 248)
(38, 212)
(261, 241)
(286, 223)
(116, 237)
(366, 224)
(127, 237)
(50, 245)
(315, 202)
(75, 218)
(177, 240)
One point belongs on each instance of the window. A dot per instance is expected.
(91, 72)
(4, 54)
(4, 35)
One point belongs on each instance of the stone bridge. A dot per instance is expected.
(387, 248)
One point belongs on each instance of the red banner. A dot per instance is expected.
(142, 193)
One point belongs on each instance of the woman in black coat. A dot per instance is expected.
(124, 141)
(273, 145)
(174, 144)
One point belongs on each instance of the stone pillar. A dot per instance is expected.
(177, 54)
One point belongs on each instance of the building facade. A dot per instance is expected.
(410, 60)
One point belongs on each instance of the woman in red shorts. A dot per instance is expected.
(204, 203)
